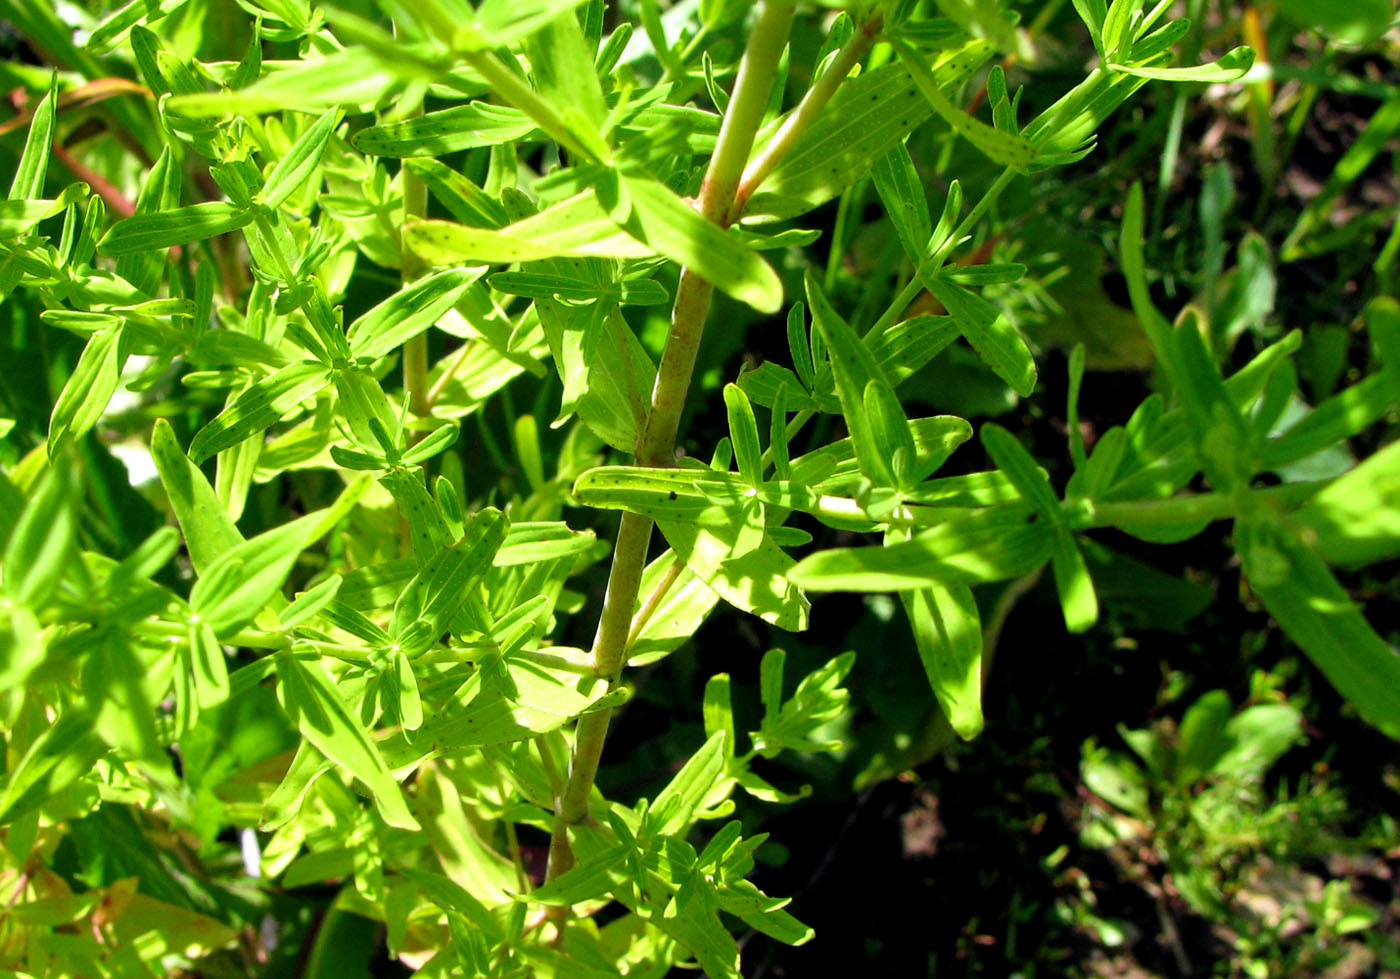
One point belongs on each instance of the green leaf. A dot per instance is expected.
(1258, 736)
(464, 200)
(300, 161)
(408, 313)
(673, 810)
(1076, 589)
(1115, 33)
(1078, 600)
(578, 226)
(686, 604)
(976, 547)
(1345, 414)
(755, 581)
(62, 754)
(564, 73)
(308, 695)
(675, 229)
(1355, 519)
(206, 666)
(1231, 66)
(405, 703)
(867, 118)
(500, 23)
(1317, 614)
(905, 348)
(446, 580)
(876, 437)
(311, 601)
(181, 226)
(259, 408)
(948, 636)
(607, 373)
(113, 30)
(1202, 738)
(1020, 467)
(534, 542)
(28, 184)
(1006, 149)
(41, 544)
(88, 389)
(19, 217)
(902, 193)
(426, 525)
(818, 700)
(120, 681)
(991, 335)
(461, 127)
(244, 580)
(208, 531)
(352, 77)
(743, 433)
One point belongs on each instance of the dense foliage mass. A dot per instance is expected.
(334, 333)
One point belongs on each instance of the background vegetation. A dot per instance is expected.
(1088, 830)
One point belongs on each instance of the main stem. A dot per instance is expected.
(415, 351)
(656, 446)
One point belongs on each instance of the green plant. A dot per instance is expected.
(1231, 846)
(384, 220)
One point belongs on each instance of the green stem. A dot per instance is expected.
(915, 285)
(657, 443)
(795, 424)
(415, 351)
(654, 600)
(802, 117)
(1197, 507)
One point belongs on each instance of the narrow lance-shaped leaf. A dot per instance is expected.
(300, 160)
(464, 200)
(1231, 66)
(28, 184)
(88, 390)
(985, 545)
(866, 119)
(1316, 613)
(41, 544)
(902, 193)
(1077, 598)
(500, 23)
(19, 217)
(446, 579)
(991, 335)
(674, 808)
(208, 531)
(408, 313)
(178, 227)
(309, 696)
(461, 127)
(565, 75)
(743, 433)
(578, 226)
(1008, 149)
(948, 636)
(674, 229)
(855, 370)
(114, 29)
(243, 581)
(259, 408)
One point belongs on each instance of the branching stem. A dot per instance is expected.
(657, 443)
